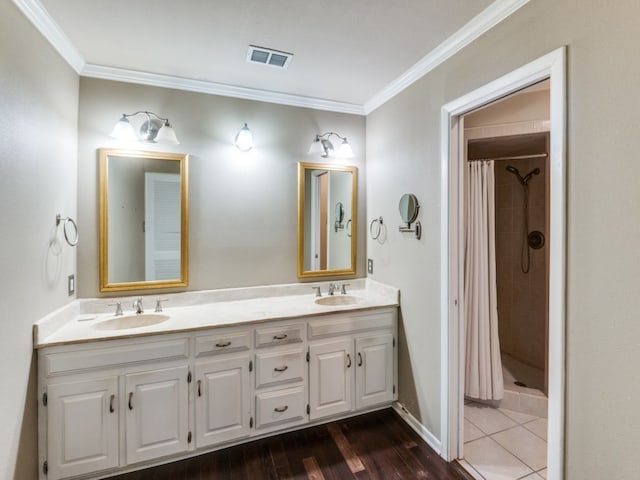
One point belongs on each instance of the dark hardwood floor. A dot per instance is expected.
(375, 446)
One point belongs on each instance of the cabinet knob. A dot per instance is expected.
(130, 400)
(281, 369)
(359, 359)
(281, 409)
(111, 400)
(348, 360)
(199, 389)
(223, 344)
(280, 337)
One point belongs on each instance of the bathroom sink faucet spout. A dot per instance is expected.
(137, 305)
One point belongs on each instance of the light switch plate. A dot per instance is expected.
(370, 265)
(71, 284)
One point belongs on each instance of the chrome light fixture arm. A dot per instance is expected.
(154, 129)
(322, 144)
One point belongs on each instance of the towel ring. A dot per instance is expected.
(66, 221)
(378, 222)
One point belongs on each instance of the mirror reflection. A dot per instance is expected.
(143, 220)
(325, 246)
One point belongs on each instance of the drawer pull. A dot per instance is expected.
(280, 337)
(130, 400)
(281, 369)
(199, 388)
(111, 408)
(349, 360)
(281, 409)
(223, 344)
(359, 359)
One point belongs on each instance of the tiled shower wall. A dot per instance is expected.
(522, 297)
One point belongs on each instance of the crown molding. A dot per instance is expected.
(40, 18)
(484, 21)
(213, 88)
(488, 18)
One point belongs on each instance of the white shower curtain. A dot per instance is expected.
(483, 369)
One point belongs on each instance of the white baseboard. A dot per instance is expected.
(420, 429)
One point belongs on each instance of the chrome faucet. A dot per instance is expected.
(137, 305)
(333, 287)
(118, 306)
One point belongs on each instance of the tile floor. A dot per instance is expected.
(502, 444)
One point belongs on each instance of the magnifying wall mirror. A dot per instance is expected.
(325, 246)
(143, 220)
(408, 207)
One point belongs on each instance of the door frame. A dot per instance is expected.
(553, 67)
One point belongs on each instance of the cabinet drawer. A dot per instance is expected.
(281, 406)
(223, 342)
(350, 323)
(279, 367)
(279, 335)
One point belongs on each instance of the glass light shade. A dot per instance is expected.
(344, 150)
(123, 130)
(244, 139)
(166, 134)
(316, 147)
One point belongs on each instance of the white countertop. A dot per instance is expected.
(75, 323)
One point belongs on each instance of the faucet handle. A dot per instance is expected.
(318, 292)
(118, 306)
(343, 290)
(159, 304)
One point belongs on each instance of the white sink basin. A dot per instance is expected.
(338, 300)
(131, 321)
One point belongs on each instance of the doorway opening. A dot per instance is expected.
(530, 160)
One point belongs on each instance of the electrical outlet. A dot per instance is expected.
(71, 284)
(370, 265)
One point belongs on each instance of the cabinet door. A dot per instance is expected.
(330, 378)
(222, 400)
(157, 419)
(82, 427)
(374, 370)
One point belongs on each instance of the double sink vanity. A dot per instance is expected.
(123, 385)
(212, 369)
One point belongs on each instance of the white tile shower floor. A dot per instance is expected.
(501, 444)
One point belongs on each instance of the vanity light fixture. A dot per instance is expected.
(244, 139)
(157, 129)
(322, 145)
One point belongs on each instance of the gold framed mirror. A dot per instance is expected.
(327, 206)
(144, 220)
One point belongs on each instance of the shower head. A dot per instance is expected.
(523, 180)
(514, 170)
(535, 171)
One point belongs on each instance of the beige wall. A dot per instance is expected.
(39, 98)
(242, 207)
(603, 266)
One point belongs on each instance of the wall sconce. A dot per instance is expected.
(156, 129)
(244, 139)
(322, 145)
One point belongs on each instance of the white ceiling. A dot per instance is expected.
(348, 55)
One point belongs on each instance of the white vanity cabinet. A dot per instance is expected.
(352, 363)
(157, 413)
(222, 387)
(111, 406)
(82, 426)
(280, 376)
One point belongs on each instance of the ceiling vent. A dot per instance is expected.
(269, 57)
